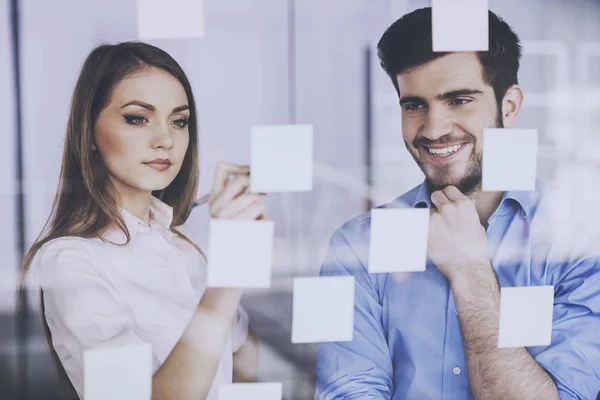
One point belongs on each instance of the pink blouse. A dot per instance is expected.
(98, 294)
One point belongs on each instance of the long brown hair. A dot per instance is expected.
(86, 204)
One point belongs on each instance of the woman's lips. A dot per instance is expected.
(159, 166)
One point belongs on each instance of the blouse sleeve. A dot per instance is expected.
(239, 331)
(82, 308)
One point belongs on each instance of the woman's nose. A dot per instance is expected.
(163, 137)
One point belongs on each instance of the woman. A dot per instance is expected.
(113, 268)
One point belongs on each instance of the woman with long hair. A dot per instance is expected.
(111, 263)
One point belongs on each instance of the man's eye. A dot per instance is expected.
(412, 107)
(135, 119)
(459, 102)
(182, 123)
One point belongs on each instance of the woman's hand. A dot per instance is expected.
(230, 198)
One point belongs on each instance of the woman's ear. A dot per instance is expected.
(511, 105)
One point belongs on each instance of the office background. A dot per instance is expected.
(265, 62)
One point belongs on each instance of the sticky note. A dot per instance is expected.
(509, 159)
(123, 372)
(459, 25)
(252, 391)
(398, 239)
(173, 19)
(526, 316)
(281, 158)
(323, 309)
(240, 253)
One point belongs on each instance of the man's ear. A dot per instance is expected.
(511, 105)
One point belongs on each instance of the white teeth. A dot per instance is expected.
(445, 151)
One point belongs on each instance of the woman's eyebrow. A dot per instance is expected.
(181, 108)
(150, 107)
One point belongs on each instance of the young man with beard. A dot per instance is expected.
(434, 335)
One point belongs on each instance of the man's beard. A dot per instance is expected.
(470, 181)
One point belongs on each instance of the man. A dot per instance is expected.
(434, 334)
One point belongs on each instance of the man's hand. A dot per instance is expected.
(457, 240)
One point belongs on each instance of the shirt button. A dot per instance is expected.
(456, 370)
(456, 313)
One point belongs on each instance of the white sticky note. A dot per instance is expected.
(460, 25)
(240, 253)
(252, 391)
(123, 372)
(323, 309)
(526, 316)
(398, 241)
(509, 159)
(173, 19)
(281, 158)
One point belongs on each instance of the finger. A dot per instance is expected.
(213, 196)
(222, 174)
(263, 216)
(253, 212)
(434, 219)
(438, 198)
(237, 205)
(236, 187)
(453, 194)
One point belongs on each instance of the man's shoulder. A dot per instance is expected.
(564, 231)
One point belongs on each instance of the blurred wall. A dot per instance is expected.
(8, 243)
(302, 61)
(293, 61)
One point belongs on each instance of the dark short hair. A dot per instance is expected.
(407, 44)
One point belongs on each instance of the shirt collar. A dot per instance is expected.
(161, 216)
(422, 198)
(525, 199)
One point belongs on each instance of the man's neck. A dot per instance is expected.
(485, 204)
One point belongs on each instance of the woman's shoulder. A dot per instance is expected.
(68, 244)
(60, 258)
(59, 254)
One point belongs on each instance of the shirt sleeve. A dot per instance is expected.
(82, 308)
(573, 357)
(239, 331)
(361, 368)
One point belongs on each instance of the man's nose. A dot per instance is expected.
(437, 124)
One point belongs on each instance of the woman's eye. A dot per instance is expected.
(182, 123)
(135, 119)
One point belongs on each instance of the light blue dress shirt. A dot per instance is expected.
(407, 342)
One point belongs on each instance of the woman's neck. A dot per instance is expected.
(140, 207)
